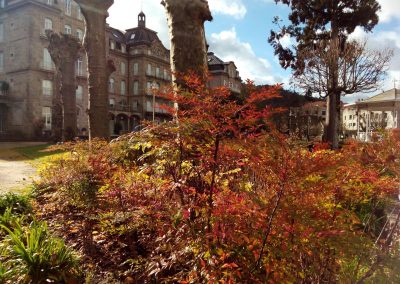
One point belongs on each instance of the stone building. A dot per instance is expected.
(27, 73)
(308, 120)
(364, 117)
(143, 69)
(223, 74)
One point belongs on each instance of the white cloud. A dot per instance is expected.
(229, 47)
(123, 14)
(390, 10)
(234, 8)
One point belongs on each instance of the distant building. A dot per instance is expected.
(27, 73)
(308, 120)
(143, 68)
(364, 117)
(223, 74)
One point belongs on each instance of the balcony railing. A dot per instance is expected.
(158, 76)
(47, 66)
(124, 108)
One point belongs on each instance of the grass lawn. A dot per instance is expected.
(37, 153)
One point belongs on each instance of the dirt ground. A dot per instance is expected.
(15, 171)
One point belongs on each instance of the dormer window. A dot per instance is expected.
(133, 36)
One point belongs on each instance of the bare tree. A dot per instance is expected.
(359, 69)
(186, 30)
(95, 13)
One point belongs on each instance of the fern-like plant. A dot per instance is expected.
(38, 257)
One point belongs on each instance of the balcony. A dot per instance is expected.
(118, 107)
(158, 76)
(48, 66)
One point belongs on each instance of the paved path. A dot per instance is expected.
(15, 171)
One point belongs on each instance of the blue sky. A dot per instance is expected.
(240, 30)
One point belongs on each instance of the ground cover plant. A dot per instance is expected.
(219, 196)
(29, 253)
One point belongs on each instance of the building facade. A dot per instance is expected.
(223, 74)
(143, 69)
(308, 121)
(27, 73)
(364, 117)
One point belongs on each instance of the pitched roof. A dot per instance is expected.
(391, 95)
(213, 59)
(117, 35)
(140, 35)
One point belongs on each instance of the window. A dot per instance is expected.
(79, 92)
(135, 68)
(48, 24)
(1, 61)
(79, 34)
(149, 106)
(123, 48)
(50, 2)
(123, 88)
(111, 102)
(135, 105)
(47, 88)
(136, 88)
(148, 69)
(79, 67)
(149, 87)
(2, 3)
(46, 115)
(111, 85)
(47, 62)
(324, 112)
(67, 29)
(1, 32)
(123, 68)
(112, 45)
(79, 13)
(165, 74)
(68, 6)
(157, 72)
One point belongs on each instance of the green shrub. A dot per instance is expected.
(18, 203)
(36, 256)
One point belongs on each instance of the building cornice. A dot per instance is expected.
(18, 5)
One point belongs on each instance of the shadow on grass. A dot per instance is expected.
(36, 152)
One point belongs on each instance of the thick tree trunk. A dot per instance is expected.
(95, 13)
(333, 98)
(64, 50)
(186, 30)
(56, 111)
(333, 119)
